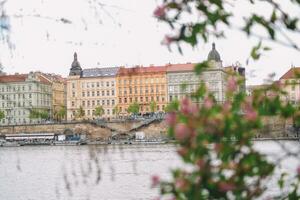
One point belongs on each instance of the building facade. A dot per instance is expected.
(59, 94)
(183, 81)
(20, 94)
(90, 88)
(291, 83)
(142, 85)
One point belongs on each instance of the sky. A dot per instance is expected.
(123, 33)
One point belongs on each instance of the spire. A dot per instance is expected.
(214, 54)
(75, 56)
(75, 67)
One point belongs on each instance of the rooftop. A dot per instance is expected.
(100, 72)
(139, 70)
(291, 73)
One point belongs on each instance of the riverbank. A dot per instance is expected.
(121, 142)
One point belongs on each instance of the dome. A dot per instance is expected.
(75, 68)
(214, 54)
(75, 63)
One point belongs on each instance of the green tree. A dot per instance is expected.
(116, 110)
(62, 112)
(80, 113)
(134, 108)
(153, 106)
(99, 111)
(39, 114)
(215, 139)
(2, 115)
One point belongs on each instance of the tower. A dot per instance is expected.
(75, 68)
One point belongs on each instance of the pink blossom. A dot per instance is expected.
(160, 12)
(193, 109)
(182, 132)
(188, 107)
(182, 151)
(168, 40)
(225, 187)
(227, 106)
(184, 106)
(200, 163)
(181, 184)
(208, 103)
(155, 181)
(298, 170)
(232, 84)
(250, 113)
(171, 119)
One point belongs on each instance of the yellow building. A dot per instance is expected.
(59, 96)
(142, 85)
(90, 88)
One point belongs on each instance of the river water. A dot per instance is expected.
(102, 172)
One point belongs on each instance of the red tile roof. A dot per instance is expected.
(13, 78)
(291, 73)
(180, 67)
(141, 70)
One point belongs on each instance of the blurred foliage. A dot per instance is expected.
(215, 139)
(39, 114)
(133, 108)
(2, 115)
(99, 111)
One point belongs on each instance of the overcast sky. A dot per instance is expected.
(122, 33)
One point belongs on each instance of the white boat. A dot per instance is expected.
(158, 141)
(9, 144)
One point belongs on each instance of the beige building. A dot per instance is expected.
(291, 82)
(20, 94)
(59, 93)
(90, 88)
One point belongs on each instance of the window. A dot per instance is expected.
(120, 100)
(73, 104)
(103, 94)
(83, 94)
(130, 100)
(135, 99)
(112, 92)
(107, 102)
(107, 84)
(141, 99)
(93, 103)
(93, 85)
(73, 94)
(130, 90)
(98, 102)
(98, 84)
(107, 111)
(146, 99)
(93, 93)
(88, 93)
(113, 102)
(103, 102)
(112, 83)
(125, 100)
(83, 103)
(146, 90)
(98, 93)
(88, 103)
(73, 85)
(157, 98)
(107, 92)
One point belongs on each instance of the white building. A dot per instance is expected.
(183, 81)
(20, 94)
